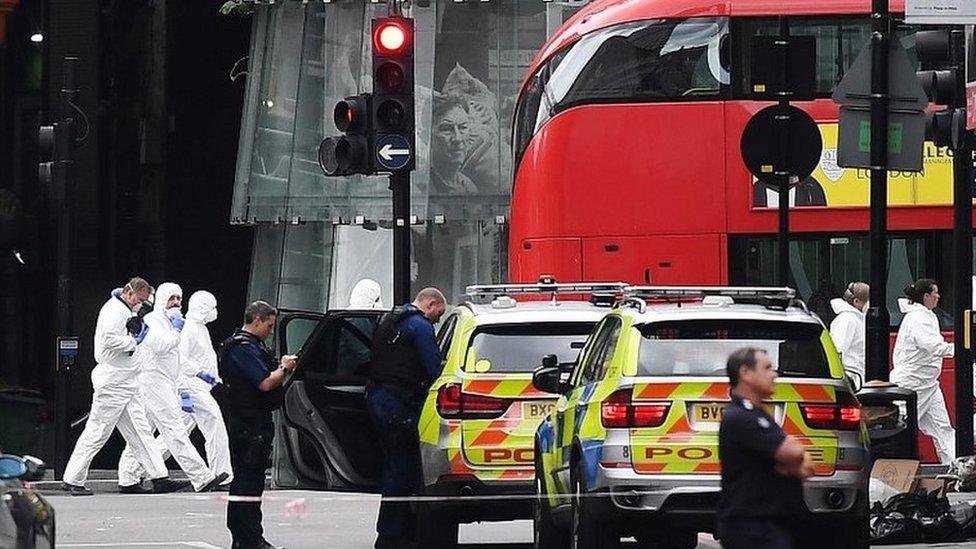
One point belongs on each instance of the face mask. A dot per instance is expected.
(211, 316)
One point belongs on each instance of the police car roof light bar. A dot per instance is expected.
(767, 296)
(495, 290)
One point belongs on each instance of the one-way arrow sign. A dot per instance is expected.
(393, 151)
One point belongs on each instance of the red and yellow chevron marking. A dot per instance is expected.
(676, 447)
(503, 386)
(785, 392)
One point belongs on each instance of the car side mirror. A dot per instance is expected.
(547, 379)
(12, 467)
(549, 361)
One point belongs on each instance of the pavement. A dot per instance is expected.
(295, 519)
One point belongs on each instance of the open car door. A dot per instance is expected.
(325, 439)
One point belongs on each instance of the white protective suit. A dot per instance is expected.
(919, 350)
(159, 359)
(847, 331)
(366, 294)
(197, 355)
(115, 402)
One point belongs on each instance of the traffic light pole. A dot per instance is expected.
(63, 188)
(878, 320)
(400, 185)
(962, 238)
(962, 243)
(783, 234)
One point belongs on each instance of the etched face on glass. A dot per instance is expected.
(450, 134)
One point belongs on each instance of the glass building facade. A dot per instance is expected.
(316, 236)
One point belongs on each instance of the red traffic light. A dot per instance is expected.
(350, 114)
(390, 38)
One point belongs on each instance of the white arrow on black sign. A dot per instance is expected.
(387, 152)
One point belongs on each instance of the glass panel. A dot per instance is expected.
(520, 347)
(361, 252)
(701, 348)
(354, 345)
(470, 60)
(297, 332)
(305, 266)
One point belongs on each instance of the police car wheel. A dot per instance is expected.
(436, 527)
(588, 531)
(545, 533)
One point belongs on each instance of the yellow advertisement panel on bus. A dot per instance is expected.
(833, 186)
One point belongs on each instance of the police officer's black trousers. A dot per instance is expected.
(250, 447)
(395, 419)
(755, 534)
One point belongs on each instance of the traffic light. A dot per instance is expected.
(393, 99)
(942, 78)
(350, 153)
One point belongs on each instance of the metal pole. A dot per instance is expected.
(962, 244)
(63, 187)
(878, 319)
(783, 234)
(400, 184)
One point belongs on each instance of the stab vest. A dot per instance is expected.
(394, 361)
(239, 396)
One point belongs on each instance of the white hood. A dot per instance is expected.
(202, 307)
(165, 291)
(840, 306)
(906, 306)
(366, 294)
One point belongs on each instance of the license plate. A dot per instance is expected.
(711, 412)
(708, 413)
(537, 410)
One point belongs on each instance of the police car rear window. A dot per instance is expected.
(701, 347)
(511, 348)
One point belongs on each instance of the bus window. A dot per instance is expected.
(637, 62)
(821, 266)
(839, 40)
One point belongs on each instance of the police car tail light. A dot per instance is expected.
(845, 415)
(453, 403)
(617, 411)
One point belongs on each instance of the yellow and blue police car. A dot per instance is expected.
(631, 447)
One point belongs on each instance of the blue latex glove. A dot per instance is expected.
(117, 292)
(186, 402)
(206, 376)
(142, 334)
(176, 319)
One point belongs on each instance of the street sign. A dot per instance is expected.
(904, 90)
(762, 143)
(393, 152)
(906, 136)
(906, 112)
(769, 79)
(940, 12)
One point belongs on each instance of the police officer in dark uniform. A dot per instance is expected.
(762, 467)
(405, 361)
(252, 390)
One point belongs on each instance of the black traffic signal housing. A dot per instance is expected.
(943, 79)
(46, 148)
(350, 153)
(393, 94)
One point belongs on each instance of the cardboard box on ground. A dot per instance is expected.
(899, 476)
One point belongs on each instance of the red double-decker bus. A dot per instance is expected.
(628, 166)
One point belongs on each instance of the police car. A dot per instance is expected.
(478, 422)
(631, 448)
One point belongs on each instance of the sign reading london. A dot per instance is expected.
(393, 151)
